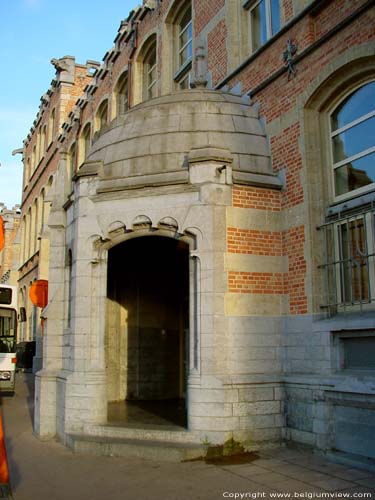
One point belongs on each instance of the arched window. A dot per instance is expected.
(38, 153)
(51, 127)
(353, 141)
(348, 150)
(43, 141)
(28, 234)
(23, 240)
(102, 115)
(122, 99)
(34, 226)
(85, 142)
(71, 165)
(27, 171)
(38, 220)
(42, 196)
(150, 71)
(47, 204)
(69, 292)
(33, 160)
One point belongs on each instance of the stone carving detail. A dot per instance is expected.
(169, 222)
(141, 221)
(200, 80)
(59, 65)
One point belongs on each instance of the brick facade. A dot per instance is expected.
(9, 255)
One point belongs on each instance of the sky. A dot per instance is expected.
(33, 32)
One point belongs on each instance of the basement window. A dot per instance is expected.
(355, 350)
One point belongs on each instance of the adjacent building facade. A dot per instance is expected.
(41, 156)
(9, 255)
(211, 232)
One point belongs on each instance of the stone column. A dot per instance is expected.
(84, 379)
(46, 379)
(209, 414)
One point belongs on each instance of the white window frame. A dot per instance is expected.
(122, 94)
(181, 48)
(184, 68)
(361, 154)
(251, 6)
(102, 117)
(148, 68)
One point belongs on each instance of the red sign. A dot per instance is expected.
(39, 293)
(2, 233)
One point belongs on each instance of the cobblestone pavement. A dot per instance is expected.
(49, 471)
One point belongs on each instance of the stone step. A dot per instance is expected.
(176, 435)
(135, 448)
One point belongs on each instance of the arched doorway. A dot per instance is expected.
(147, 330)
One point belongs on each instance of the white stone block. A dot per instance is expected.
(256, 408)
(213, 423)
(210, 409)
(256, 394)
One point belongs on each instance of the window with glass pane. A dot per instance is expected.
(185, 51)
(51, 127)
(354, 273)
(102, 115)
(358, 353)
(122, 95)
(86, 140)
(353, 141)
(184, 83)
(350, 258)
(183, 48)
(150, 69)
(264, 21)
(72, 161)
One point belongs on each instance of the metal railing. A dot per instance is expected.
(349, 258)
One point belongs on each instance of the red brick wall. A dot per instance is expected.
(288, 243)
(293, 248)
(252, 197)
(217, 62)
(275, 100)
(204, 11)
(9, 251)
(254, 282)
(250, 241)
(286, 155)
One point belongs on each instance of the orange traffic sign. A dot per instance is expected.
(4, 469)
(2, 233)
(39, 293)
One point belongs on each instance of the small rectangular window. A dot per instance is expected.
(5, 296)
(358, 353)
(353, 350)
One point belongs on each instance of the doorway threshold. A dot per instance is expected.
(167, 414)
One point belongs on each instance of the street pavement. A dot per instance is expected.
(49, 471)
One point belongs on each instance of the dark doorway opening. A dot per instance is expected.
(147, 331)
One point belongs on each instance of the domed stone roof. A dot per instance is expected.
(157, 136)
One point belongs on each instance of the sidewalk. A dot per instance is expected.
(49, 471)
